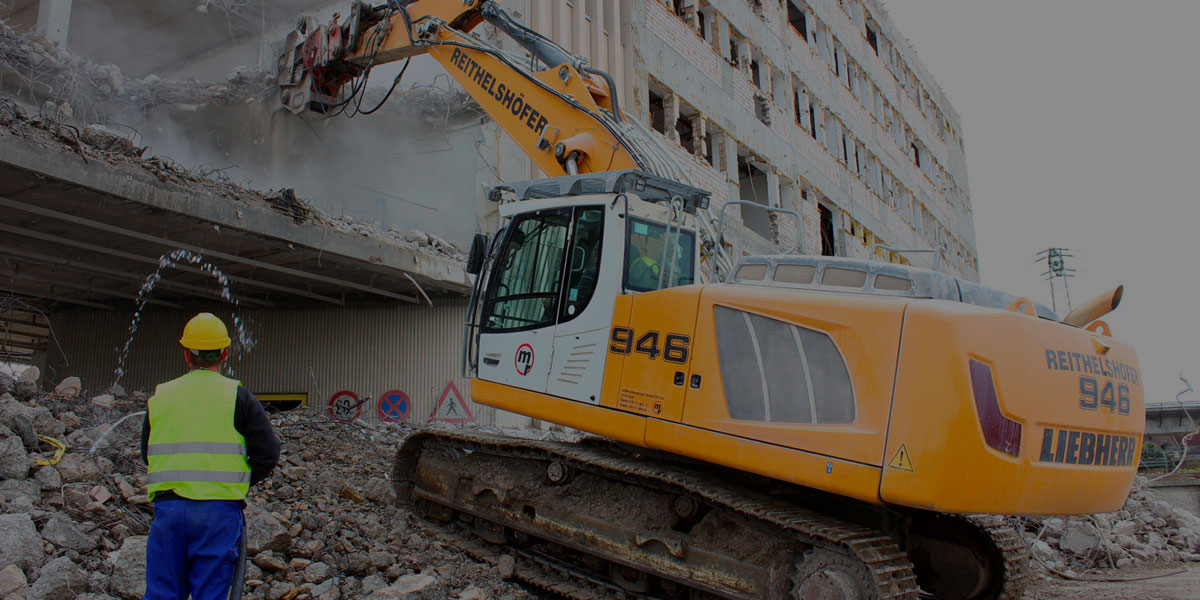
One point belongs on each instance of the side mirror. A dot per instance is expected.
(477, 254)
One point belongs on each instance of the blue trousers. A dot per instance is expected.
(193, 548)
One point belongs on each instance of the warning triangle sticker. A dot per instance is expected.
(901, 460)
(451, 408)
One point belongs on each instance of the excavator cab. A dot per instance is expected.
(543, 304)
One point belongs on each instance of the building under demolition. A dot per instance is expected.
(345, 267)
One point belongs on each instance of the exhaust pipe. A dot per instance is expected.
(1095, 308)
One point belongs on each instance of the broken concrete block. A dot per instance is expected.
(69, 387)
(1079, 538)
(20, 543)
(129, 576)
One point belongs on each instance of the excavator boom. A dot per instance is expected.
(564, 116)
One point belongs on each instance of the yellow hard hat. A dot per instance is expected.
(205, 332)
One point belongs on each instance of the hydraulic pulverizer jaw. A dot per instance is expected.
(313, 68)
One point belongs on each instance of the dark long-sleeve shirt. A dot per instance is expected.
(250, 420)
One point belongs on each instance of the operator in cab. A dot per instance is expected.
(643, 271)
(206, 440)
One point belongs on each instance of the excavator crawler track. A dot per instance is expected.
(1013, 549)
(425, 473)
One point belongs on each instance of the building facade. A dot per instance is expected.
(818, 106)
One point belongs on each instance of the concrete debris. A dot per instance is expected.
(116, 148)
(60, 579)
(20, 544)
(13, 583)
(325, 526)
(1145, 530)
(129, 572)
(69, 387)
(26, 383)
(70, 86)
(409, 587)
(14, 461)
(62, 532)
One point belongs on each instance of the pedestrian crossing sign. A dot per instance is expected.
(450, 407)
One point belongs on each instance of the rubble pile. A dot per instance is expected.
(324, 526)
(74, 87)
(1145, 530)
(117, 148)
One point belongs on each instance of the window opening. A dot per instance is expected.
(755, 75)
(873, 40)
(658, 116)
(524, 292)
(827, 245)
(687, 139)
(812, 119)
(752, 186)
(916, 155)
(647, 241)
(798, 21)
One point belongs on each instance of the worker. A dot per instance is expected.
(643, 272)
(206, 440)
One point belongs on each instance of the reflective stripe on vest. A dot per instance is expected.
(219, 476)
(194, 449)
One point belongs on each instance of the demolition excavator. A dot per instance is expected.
(781, 426)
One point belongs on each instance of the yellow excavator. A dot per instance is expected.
(784, 426)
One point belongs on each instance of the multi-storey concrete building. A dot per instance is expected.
(814, 105)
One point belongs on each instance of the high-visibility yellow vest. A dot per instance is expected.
(194, 450)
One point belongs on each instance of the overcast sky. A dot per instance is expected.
(1082, 127)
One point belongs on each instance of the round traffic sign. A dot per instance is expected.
(344, 406)
(393, 406)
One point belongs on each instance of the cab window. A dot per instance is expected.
(523, 293)
(647, 267)
(544, 249)
(583, 261)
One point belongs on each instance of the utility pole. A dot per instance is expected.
(1056, 268)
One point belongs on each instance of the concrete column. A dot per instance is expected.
(699, 136)
(729, 146)
(766, 76)
(722, 38)
(54, 20)
(782, 91)
(671, 116)
(773, 186)
(710, 26)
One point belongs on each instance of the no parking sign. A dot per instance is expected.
(393, 406)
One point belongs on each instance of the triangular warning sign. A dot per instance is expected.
(901, 460)
(451, 408)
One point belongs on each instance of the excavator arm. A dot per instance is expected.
(565, 115)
